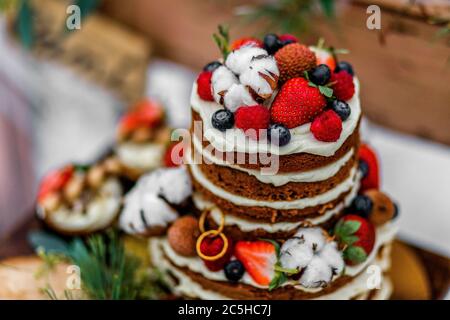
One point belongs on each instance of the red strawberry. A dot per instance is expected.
(324, 56)
(54, 181)
(343, 86)
(145, 113)
(288, 37)
(204, 86)
(246, 41)
(174, 155)
(297, 103)
(212, 246)
(259, 259)
(252, 119)
(372, 178)
(357, 235)
(327, 126)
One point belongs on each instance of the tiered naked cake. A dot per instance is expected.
(288, 199)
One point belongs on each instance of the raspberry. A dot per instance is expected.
(327, 127)
(213, 246)
(246, 41)
(204, 86)
(174, 155)
(297, 103)
(251, 119)
(343, 87)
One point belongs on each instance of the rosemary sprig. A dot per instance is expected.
(222, 39)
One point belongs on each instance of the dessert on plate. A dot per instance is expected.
(287, 199)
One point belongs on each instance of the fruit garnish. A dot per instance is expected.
(287, 39)
(383, 209)
(345, 66)
(293, 60)
(252, 119)
(147, 113)
(343, 86)
(215, 249)
(341, 108)
(213, 65)
(327, 126)
(174, 155)
(320, 75)
(279, 134)
(297, 103)
(272, 43)
(234, 270)
(222, 120)
(182, 235)
(357, 235)
(246, 41)
(362, 205)
(372, 178)
(54, 181)
(204, 89)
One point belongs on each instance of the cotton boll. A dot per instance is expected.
(295, 254)
(316, 274)
(331, 255)
(237, 96)
(239, 60)
(174, 184)
(314, 237)
(261, 75)
(222, 79)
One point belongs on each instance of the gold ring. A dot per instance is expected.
(217, 256)
(201, 221)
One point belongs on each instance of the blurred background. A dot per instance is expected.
(62, 91)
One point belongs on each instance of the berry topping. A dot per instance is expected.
(287, 39)
(296, 103)
(279, 134)
(204, 86)
(327, 126)
(54, 181)
(341, 108)
(293, 60)
(222, 119)
(396, 211)
(246, 41)
(363, 167)
(357, 235)
(383, 207)
(372, 178)
(234, 270)
(324, 56)
(182, 235)
(320, 75)
(212, 66)
(345, 66)
(258, 258)
(216, 250)
(272, 43)
(252, 120)
(343, 86)
(362, 205)
(146, 113)
(174, 155)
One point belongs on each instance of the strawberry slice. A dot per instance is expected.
(54, 181)
(372, 178)
(259, 259)
(145, 113)
(246, 41)
(324, 56)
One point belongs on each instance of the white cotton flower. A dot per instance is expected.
(221, 80)
(237, 96)
(239, 60)
(295, 254)
(261, 75)
(174, 184)
(317, 274)
(333, 257)
(314, 237)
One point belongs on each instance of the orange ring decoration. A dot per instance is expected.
(217, 256)
(201, 221)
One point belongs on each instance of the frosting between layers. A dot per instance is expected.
(323, 198)
(279, 179)
(140, 156)
(302, 140)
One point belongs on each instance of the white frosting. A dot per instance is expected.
(144, 156)
(279, 179)
(323, 198)
(99, 214)
(302, 140)
(186, 286)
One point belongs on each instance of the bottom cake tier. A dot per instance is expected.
(189, 278)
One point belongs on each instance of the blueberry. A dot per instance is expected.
(272, 43)
(286, 42)
(223, 119)
(362, 205)
(320, 75)
(279, 134)
(212, 66)
(396, 211)
(234, 270)
(363, 167)
(341, 108)
(343, 65)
